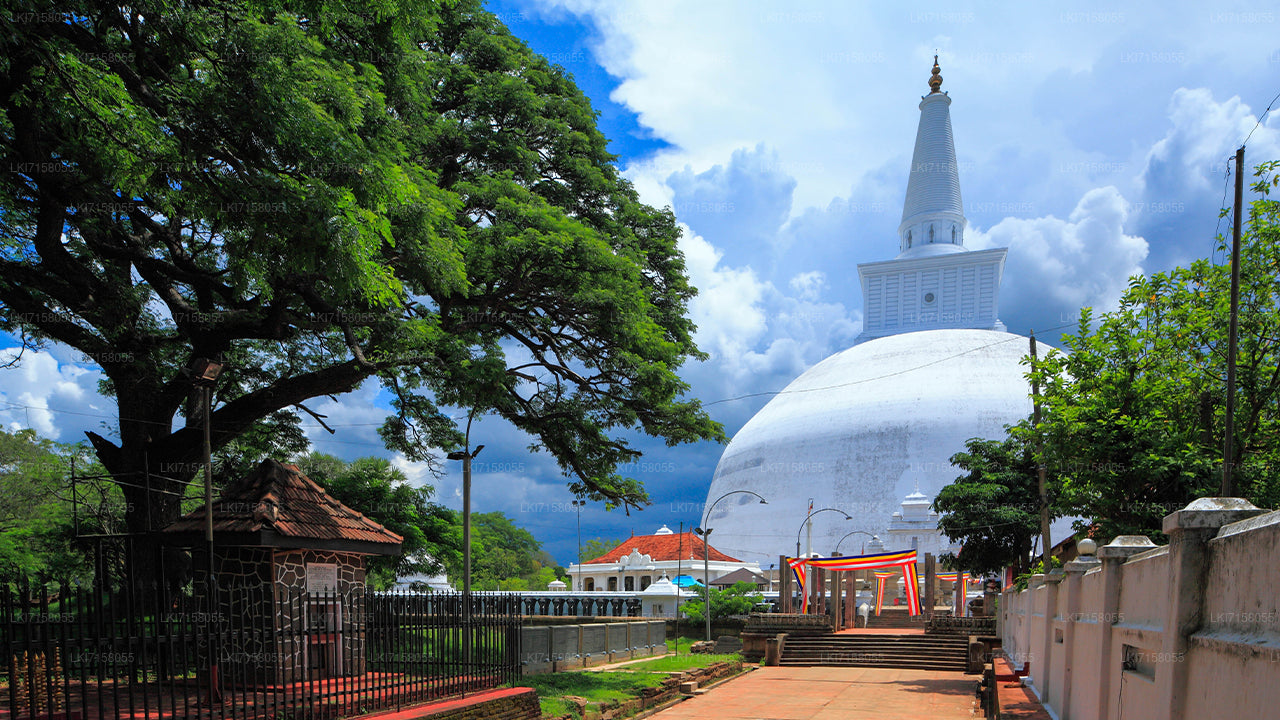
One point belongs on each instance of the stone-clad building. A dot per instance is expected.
(289, 564)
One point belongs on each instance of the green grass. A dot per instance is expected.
(614, 686)
(595, 686)
(679, 663)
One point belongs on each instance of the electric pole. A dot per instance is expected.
(1040, 469)
(1228, 450)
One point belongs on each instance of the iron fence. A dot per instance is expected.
(246, 652)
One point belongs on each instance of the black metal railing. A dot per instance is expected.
(258, 651)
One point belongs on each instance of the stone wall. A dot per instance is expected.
(315, 623)
(555, 648)
(505, 704)
(1189, 629)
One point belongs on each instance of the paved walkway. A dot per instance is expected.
(828, 693)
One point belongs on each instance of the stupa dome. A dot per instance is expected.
(861, 431)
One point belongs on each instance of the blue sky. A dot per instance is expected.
(1092, 142)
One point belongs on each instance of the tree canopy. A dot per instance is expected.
(375, 488)
(41, 509)
(322, 194)
(994, 509)
(738, 599)
(1135, 411)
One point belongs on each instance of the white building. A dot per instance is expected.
(880, 421)
(642, 560)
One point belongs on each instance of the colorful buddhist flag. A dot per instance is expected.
(882, 577)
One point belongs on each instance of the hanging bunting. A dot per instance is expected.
(905, 560)
(881, 578)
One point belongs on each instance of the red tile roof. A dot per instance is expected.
(666, 546)
(279, 500)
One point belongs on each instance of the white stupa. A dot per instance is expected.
(870, 431)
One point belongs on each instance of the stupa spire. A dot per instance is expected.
(933, 220)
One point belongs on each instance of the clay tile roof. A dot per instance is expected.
(277, 501)
(666, 546)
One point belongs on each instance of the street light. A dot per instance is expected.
(705, 532)
(466, 455)
(578, 504)
(847, 516)
(204, 373)
(799, 530)
(855, 532)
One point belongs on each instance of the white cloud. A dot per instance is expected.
(57, 400)
(1062, 265)
(1204, 133)
(809, 285)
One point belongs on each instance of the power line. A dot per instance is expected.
(1260, 119)
(768, 393)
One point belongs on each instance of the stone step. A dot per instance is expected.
(899, 664)
(924, 652)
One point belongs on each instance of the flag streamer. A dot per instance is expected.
(905, 560)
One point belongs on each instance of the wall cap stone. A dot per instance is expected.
(1055, 576)
(1125, 545)
(1254, 523)
(1210, 513)
(1081, 566)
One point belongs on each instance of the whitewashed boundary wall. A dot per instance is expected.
(1144, 632)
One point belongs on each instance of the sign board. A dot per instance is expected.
(322, 578)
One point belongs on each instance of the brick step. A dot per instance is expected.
(957, 650)
(922, 652)
(802, 642)
(873, 657)
(897, 664)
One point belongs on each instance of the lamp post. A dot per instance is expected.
(577, 504)
(847, 516)
(204, 373)
(705, 532)
(466, 455)
(855, 532)
(799, 530)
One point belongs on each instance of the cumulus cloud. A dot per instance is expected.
(809, 285)
(1055, 266)
(1203, 133)
(59, 400)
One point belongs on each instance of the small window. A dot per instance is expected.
(629, 584)
(915, 543)
(613, 584)
(645, 581)
(953, 234)
(928, 298)
(930, 233)
(589, 584)
(908, 238)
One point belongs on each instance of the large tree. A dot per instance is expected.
(1135, 413)
(322, 194)
(44, 507)
(379, 490)
(993, 510)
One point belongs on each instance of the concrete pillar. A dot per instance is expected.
(1190, 531)
(1075, 571)
(1052, 584)
(1034, 582)
(850, 599)
(835, 603)
(784, 583)
(930, 584)
(1112, 556)
(814, 584)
